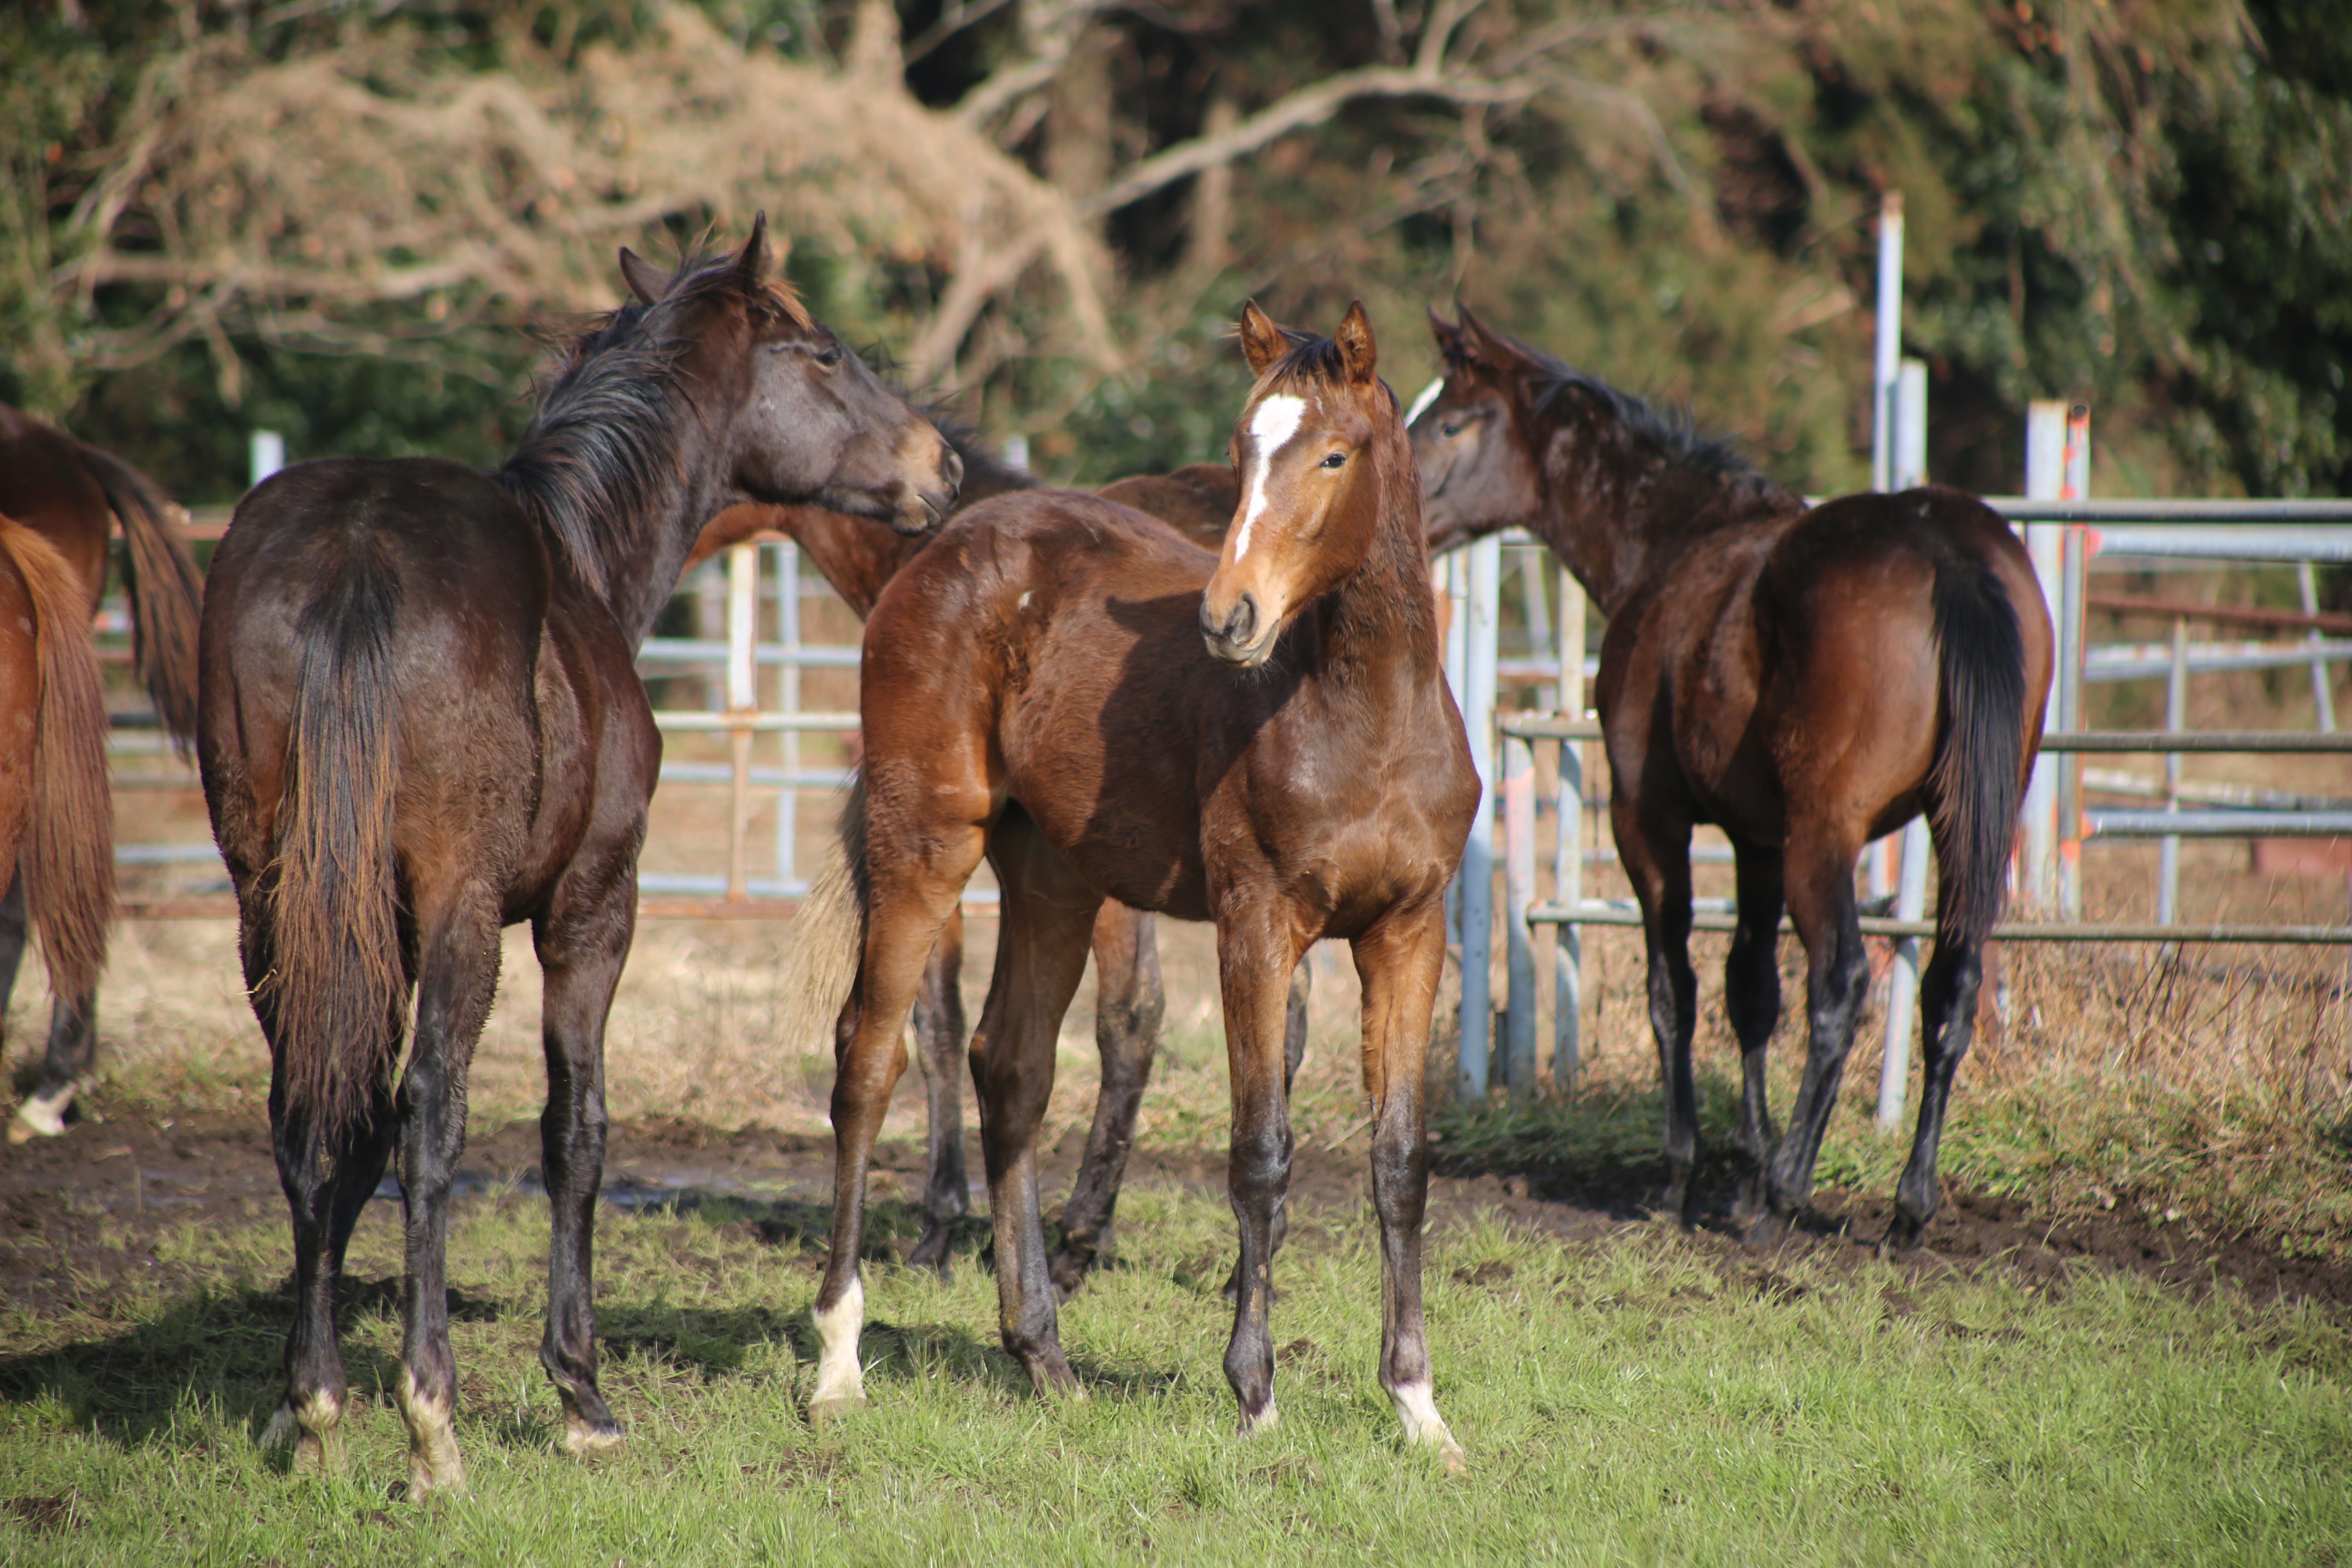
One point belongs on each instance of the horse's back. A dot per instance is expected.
(1197, 501)
(428, 564)
(45, 486)
(1045, 649)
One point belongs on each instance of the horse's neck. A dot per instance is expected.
(856, 555)
(1376, 634)
(642, 572)
(1613, 515)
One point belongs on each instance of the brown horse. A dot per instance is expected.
(1808, 681)
(1035, 689)
(422, 722)
(859, 561)
(56, 808)
(72, 494)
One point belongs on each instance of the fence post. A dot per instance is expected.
(1518, 892)
(2175, 709)
(2074, 485)
(1887, 358)
(2045, 447)
(2323, 692)
(743, 701)
(1567, 847)
(788, 632)
(1909, 469)
(265, 455)
(1450, 572)
(1475, 610)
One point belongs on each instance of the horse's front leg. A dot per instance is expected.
(582, 940)
(1653, 847)
(940, 1038)
(1256, 954)
(1399, 960)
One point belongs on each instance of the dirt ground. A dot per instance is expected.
(79, 1215)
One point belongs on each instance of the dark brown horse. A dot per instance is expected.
(72, 494)
(1035, 689)
(859, 561)
(422, 722)
(1808, 681)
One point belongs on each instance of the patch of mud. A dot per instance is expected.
(79, 1212)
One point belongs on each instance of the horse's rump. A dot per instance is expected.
(166, 594)
(67, 849)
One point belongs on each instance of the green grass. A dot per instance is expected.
(1644, 1399)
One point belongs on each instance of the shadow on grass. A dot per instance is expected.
(1599, 1151)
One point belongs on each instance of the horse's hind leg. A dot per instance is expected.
(71, 1043)
(1821, 901)
(911, 901)
(582, 940)
(457, 976)
(1041, 954)
(1751, 994)
(939, 1037)
(1654, 850)
(1129, 1003)
(1948, 995)
(1399, 960)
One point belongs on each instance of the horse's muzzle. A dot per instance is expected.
(1243, 637)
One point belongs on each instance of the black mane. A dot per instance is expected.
(1671, 431)
(599, 455)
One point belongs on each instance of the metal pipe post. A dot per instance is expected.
(2074, 484)
(742, 702)
(2322, 694)
(1518, 892)
(1476, 609)
(1568, 847)
(2176, 707)
(788, 627)
(1903, 981)
(1886, 366)
(1910, 460)
(2045, 446)
(1450, 572)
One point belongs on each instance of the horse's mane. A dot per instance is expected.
(599, 453)
(1669, 430)
(985, 471)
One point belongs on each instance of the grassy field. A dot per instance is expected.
(1648, 1398)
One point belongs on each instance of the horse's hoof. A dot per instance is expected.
(41, 1116)
(1266, 1420)
(1069, 1269)
(581, 1438)
(1902, 1233)
(1770, 1229)
(282, 1429)
(833, 1407)
(932, 1251)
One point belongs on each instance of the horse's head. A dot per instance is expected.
(1310, 452)
(816, 425)
(1478, 473)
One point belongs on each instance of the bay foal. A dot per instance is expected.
(859, 560)
(1807, 679)
(1036, 689)
(421, 722)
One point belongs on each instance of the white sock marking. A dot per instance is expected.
(1271, 428)
(838, 1376)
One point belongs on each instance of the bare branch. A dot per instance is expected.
(954, 17)
(1308, 106)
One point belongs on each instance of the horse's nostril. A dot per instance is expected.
(951, 470)
(1243, 624)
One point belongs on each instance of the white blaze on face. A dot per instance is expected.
(1271, 427)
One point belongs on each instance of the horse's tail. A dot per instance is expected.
(1978, 782)
(335, 989)
(67, 855)
(166, 593)
(828, 935)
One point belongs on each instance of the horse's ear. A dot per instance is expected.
(1262, 341)
(751, 266)
(1497, 353)
(1357, 350)
(645, 280)
(1448, 336)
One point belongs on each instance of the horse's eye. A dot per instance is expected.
(1450, 429)
(1337, 459)
(829, 355)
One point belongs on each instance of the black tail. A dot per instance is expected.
(339, 990)
(166, 593)
(1978, 784)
